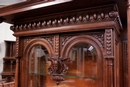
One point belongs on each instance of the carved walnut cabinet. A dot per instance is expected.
(74, 48)
(78, 48)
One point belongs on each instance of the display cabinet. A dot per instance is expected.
(75, 48)
(9, 62)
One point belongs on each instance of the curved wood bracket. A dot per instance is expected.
(58, 68)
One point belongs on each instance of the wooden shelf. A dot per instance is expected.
(9, 63)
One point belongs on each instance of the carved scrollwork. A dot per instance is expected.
(26, 41)
(50, 40)
(64, 39)
(99, 37)
(58, 68)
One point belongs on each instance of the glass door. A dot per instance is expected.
(82, 67)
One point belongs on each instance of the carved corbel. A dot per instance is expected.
(58, 68)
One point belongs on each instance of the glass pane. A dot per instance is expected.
(38, 60)
(82, 67)
(38, 66)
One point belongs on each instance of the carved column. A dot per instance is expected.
(109, 58)
(17, 63)
(128, 27)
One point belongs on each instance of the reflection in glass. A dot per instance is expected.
(38, 66)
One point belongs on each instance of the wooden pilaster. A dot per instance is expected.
(128, 27)
(17, 63)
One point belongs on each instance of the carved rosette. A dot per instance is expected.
(58, 68)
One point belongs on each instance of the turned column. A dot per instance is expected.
(128, 30)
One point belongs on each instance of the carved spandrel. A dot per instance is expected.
(98, 36)
(49, 39)
(64, 39)
(26, 41)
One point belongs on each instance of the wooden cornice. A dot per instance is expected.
(14, 11)
(28, 5)
(33, 8)
(52, 23)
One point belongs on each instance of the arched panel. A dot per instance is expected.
(82, 39)
(38, 41)
(86, 61)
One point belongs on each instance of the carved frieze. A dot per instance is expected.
(70, 19)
